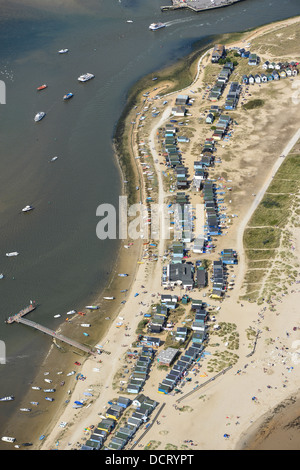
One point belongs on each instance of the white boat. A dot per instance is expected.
(56, 316)
(1, 276)
(92, 307)
(25, 409)
(129, 21)
(155, 26)
(85, 325)
(39, 116)
(13, 253)
(123, 275)
(71, 373)
(49, 390)
(35, 403)
(8, 439)
(86, 77)
(9, 398)
(71, 312)
(36, 388)
(27, 208)
(108, 298)
(48, 380)
(63, 51)
(53, 159)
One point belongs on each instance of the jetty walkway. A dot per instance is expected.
(19, 318)
(199, 5)
(55, 335)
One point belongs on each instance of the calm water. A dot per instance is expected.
(62, 264)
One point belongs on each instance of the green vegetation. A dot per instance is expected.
(253, 104)
(267, 238)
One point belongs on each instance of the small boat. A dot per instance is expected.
(56, 316)
(48, 381)
(13, 253)
(108, 298)
(27, 209)
(49, 399)
(122, 275)
(63, 51)
(86, 77)
(53, 159)
(68, 96)
(42, 87)
(85, 325)
(129, 21)
(39, 116)
(9, 398)
(34, 403)
(155, 26)
(1, 276)
(71, 373)
(8, 439)
(81, 313)
(25, 409)
(92, 307)
(71, 312)
(124, 290)
(42, 437)
(36, 388)
(49, 390)
(85, 334)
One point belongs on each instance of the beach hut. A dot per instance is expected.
(257, 78)
(264, 78)
(251, 80)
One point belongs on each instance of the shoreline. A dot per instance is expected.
(110, 306)
(274, 428)
(197, 62)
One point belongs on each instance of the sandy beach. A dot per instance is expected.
(245, 400)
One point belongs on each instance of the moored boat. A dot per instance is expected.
(49, 399)
(49, 390)
(85, 325)
(71, 312)
(36, 388)
(92, 307)
(27, 208)
(86, 77)
(1, 276)
(123, 275)
(25, 409)
(67, 96)
(108, 298)
(42, 87)
(63, 51)
(12, 253)
(39, 116)
(8, 439)
(8, 398)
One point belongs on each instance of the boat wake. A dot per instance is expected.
(179, 21)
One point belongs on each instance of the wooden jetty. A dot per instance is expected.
(19, 318)
(21, 313)
(199, 5)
